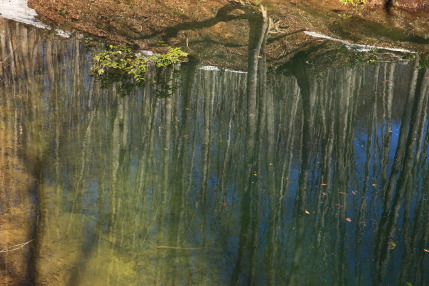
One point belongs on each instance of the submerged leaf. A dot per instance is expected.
(393, 244)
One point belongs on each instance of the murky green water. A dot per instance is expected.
(322, 181)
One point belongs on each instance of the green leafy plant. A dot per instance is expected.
(174, 56)
(120, 63)
(344, 16)
(354, 3)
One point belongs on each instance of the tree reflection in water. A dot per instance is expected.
(313, 177)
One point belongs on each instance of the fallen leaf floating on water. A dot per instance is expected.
(374, 185)
(393, 244)
(426, 250)
(348, 219)
(354, 192)
(323, 184)
(307, 212)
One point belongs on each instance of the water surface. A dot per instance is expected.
(323, 181)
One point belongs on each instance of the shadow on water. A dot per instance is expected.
(314, 176)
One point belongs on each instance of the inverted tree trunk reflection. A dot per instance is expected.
(249, 209)
(391, 213)
(215, 177)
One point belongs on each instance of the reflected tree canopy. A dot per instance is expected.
(316, 176)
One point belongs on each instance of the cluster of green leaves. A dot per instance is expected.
(174, 56)
(120, 63)
(354, 3)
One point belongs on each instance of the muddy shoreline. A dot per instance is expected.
(220, 27)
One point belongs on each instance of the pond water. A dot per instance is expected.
(322, 181)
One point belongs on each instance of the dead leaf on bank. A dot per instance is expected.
(426, 250)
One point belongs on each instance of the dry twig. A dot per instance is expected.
(15, 247)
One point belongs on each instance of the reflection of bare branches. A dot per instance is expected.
(15, 247)
(400, 183)
(14, 48)
(177, 248)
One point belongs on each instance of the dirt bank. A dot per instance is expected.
(199, 25)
